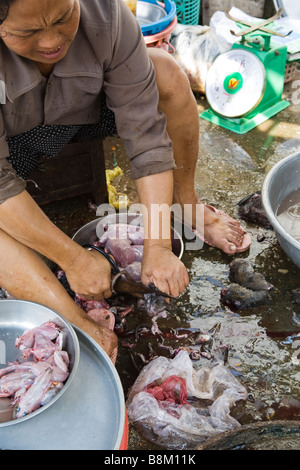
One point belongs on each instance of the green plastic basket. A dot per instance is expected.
(188, 11)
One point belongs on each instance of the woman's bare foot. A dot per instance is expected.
(224, 232)
(215, 228)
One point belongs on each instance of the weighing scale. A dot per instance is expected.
(244, 85)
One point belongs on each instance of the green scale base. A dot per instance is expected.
(244, 124)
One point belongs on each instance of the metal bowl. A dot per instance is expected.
(282, 180)
(147, 13)
(15, 317)
(89, 232)
(154, 16)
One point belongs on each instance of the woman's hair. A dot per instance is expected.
(4, 8)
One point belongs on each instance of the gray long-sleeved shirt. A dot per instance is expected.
(109, 54)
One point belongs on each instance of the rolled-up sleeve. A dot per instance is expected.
(10, 183)
(130, 87)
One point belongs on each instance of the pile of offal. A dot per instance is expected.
(175, 402)
(124, 242)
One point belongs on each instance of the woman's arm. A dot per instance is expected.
(88, 272)
(160, 265)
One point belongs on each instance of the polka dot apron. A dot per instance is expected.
(48, 140)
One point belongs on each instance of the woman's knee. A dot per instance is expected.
(171, 80)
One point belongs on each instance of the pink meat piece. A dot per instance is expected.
(52, 392)
(57, 362)
(98, 244)
(137, 237)
(60, 340)
(43, 347)
(61, 359)
(60, 369)
(134, 233)
(88, 305)
(123, 311)
(168, 390)
(138, 252)
(16, 366)
(39, 367)
(34, 383)
(49, 329)
(11, 383)
(27, 340)
(59, 375)
(32, 398)
(122, 252)
(135, 270)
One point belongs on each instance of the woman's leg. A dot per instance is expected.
(24, 275)
(177, 101)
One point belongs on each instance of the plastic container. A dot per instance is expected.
(156, 26)
(125, 437)
(188, 11)
(162, 38)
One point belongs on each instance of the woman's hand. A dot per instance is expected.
(161, 267)
(89, 275)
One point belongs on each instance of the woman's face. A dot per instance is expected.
(41, 30)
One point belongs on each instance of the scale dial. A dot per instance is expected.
(235, 83)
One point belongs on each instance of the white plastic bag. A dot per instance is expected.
(183, 424)
(195, 48)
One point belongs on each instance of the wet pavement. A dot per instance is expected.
(230, 166)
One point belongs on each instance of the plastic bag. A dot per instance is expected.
(115, 199)
(176, 406)
(132, 5)
(222, 26)
(196, 47)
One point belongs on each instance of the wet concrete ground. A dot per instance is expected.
(230, 166)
